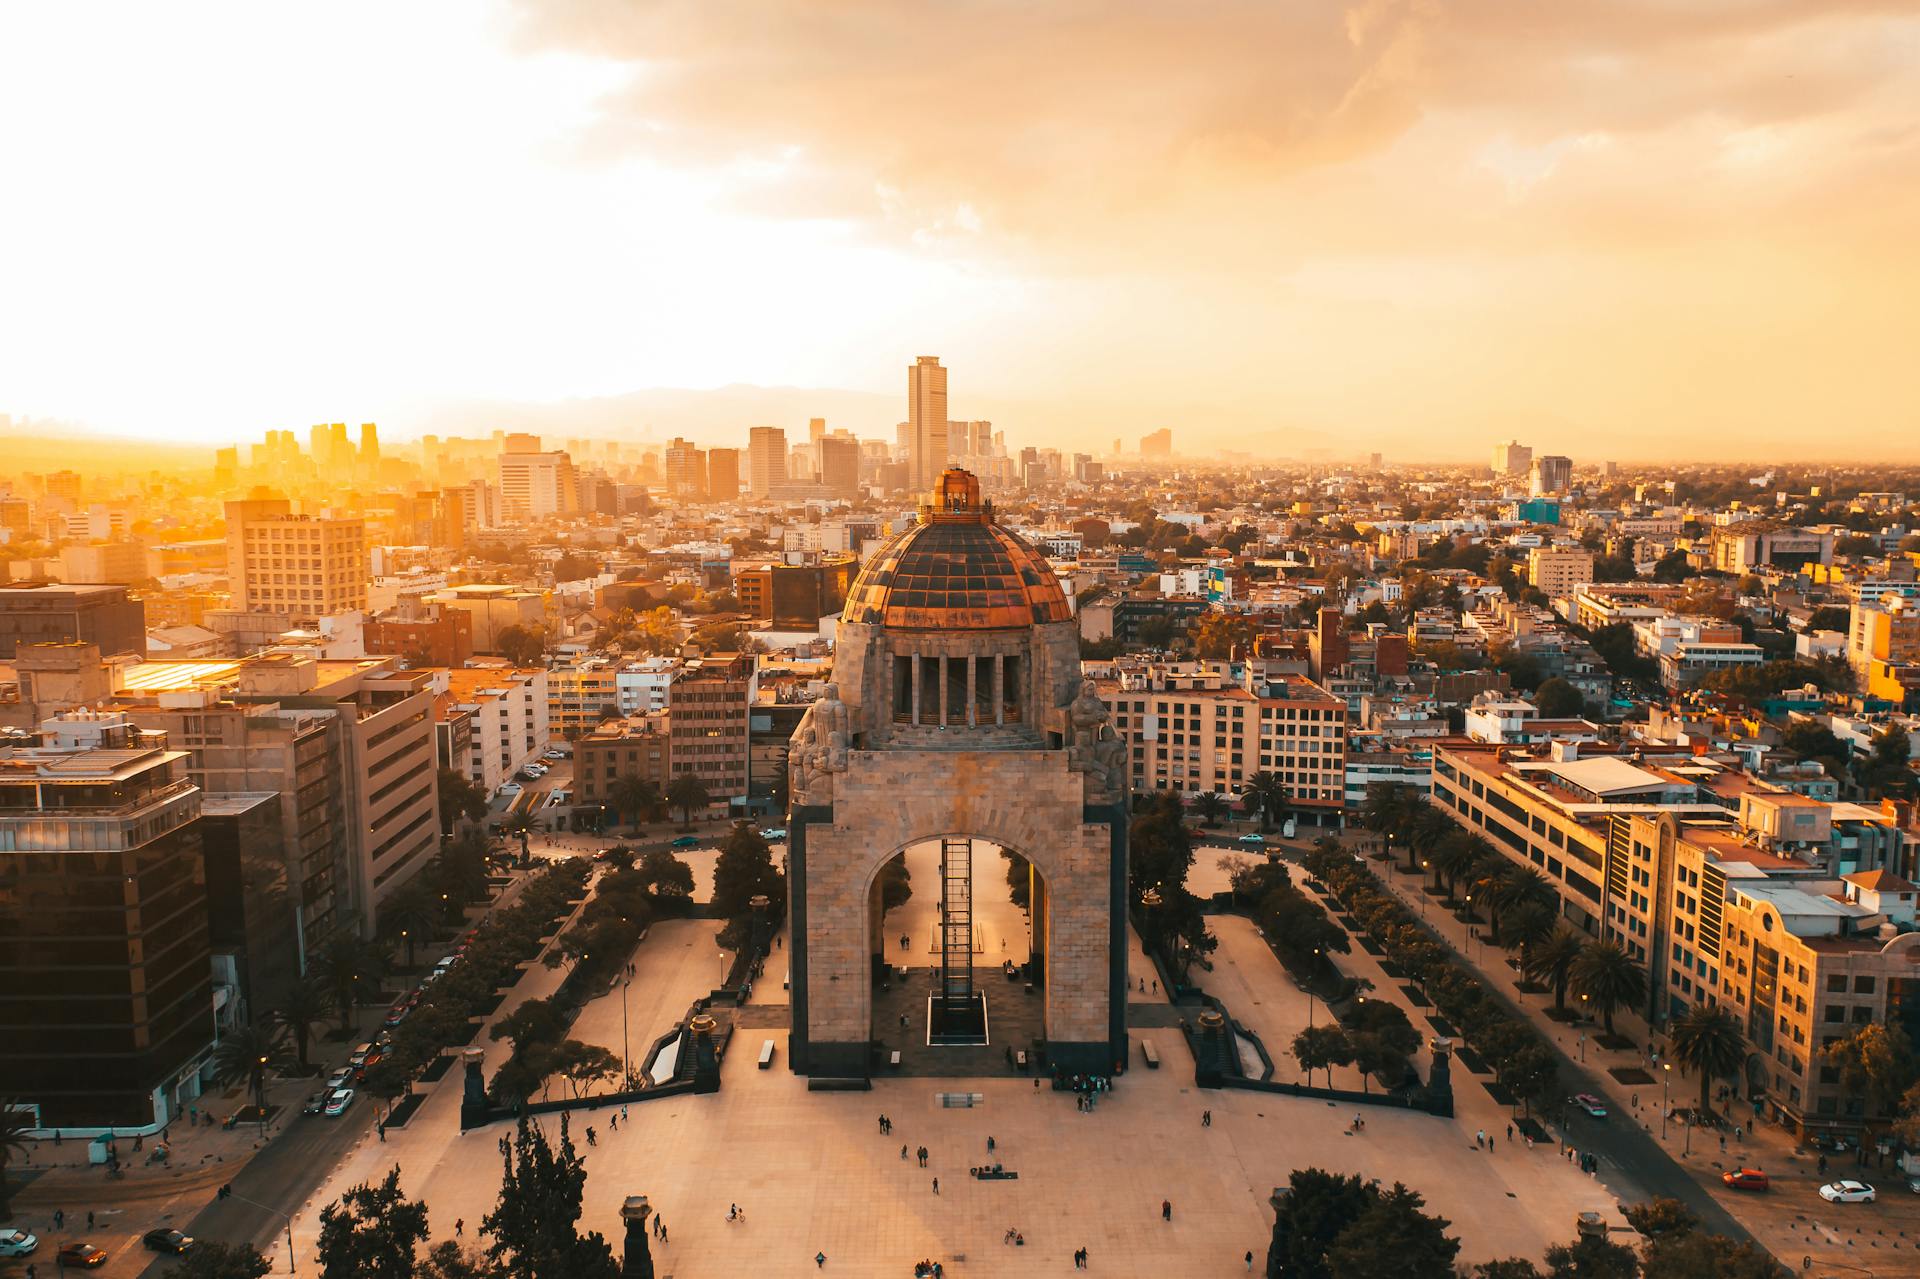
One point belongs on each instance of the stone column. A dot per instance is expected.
(944, 681)
(473, 1094)
(973, 696)
(706, 1064)
(916, 690)
(1038, 913)
(999, 688)
(638, 1262)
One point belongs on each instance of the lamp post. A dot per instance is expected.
(626, 1048)
(260, 1097)
(1423, 887)
(1310, 977)
(280, 1213)
(1666, 1088)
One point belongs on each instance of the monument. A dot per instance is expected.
(957, 713)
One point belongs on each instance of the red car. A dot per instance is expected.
(84, 1255)
(1746, 1179)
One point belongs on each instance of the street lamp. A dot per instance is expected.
(1310, 977)
(278, 1212)
(626, 1049)
(1424, 863)
(1666, 1087)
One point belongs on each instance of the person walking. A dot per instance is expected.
(903, 1152)
(989, 1143)
(820, 1260)
(459, 1226)
(1166, 1210)
(1509, 1132)
(1249, 1261)
(936, 1185)
(663, 1232)
(593, 1138)
(1206, 1119)
(59, 1218)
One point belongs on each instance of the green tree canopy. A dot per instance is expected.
(371, 1232)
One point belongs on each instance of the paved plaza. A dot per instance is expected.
(813, 1174)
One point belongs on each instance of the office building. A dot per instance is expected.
(707, 728)
(840, 466)
(685, 467)
(75, 613)
(794, 596)
(926, 422)
(634, 746)
(1551, 474)
(537, 486)
(1158, 444)
(121, 563)
(509, 713)
(1512, 459)
(766, 460)
(301, 566)
(723, 474)
(106, 980)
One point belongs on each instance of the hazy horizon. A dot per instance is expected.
(1657, 232)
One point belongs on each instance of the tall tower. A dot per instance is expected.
(927, 414)
(766, 459)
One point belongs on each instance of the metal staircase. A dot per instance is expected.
(956, 925)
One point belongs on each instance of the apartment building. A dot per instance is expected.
(491, 608)
(303, 566)
(646, 685)
(580, 694)
(708, 724)
(537, 485)
(106, 983)
(1688, 649)
(1190, 727)
(794, 596)
(508, 711)
(637, 746)
(1559, 570)
(102, 615)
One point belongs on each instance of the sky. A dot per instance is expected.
(1620, 229)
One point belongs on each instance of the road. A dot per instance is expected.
(283, 1175)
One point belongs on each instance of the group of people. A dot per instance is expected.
(929, 1270)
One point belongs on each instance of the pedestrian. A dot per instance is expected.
(1509, 1132)
(1143, 985)
(59, 1218)
(733, 1212)
(936, 1185)
(89, 1219)
(623, 1111)
(663, 1233)
(1491, 1138)
(1156, 985)
(593, 1138)
(1723, 1143)
(381, 1128)
(459, 1226)
(1249, 1261)
(1206, 1119)
(903, 1152)
(989, 1143)
(1166, 1210)
(820, 1260)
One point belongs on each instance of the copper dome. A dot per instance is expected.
(956, 570)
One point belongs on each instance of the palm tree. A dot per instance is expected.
(1424, 829)
(244, 1057)
(1525, 926)
(637, 797)
(1212, 806)
(1385, 808)
(686, 793)
(345, 967)
(1551, 962)
(16, 1121)
(410, 916)
(1267, 793)
(1606, 976)
(1707, 1038)
(1457, 855)
(298, 1012)
(1483, 885)
(1520, 886)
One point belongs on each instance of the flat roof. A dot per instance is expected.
(1600, 774)
(162, 677)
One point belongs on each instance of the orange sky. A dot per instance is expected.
(1623, 229)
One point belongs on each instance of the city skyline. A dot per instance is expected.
(1609, 238)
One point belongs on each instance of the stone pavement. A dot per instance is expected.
(813, 1174)
(678, 963)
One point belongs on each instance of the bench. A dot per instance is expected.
(766, 1054)
(1152, 1057)
(893, 1059)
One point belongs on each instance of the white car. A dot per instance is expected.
(510, 788)
(338, 1103)
(17, 1243)
(556, 754)
(340, 1078)
(1847, 1192)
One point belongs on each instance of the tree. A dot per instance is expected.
(371, 1232)
(211, 1259)
(522, 645)
(1877, 1064)
(1160, 849)
(244, 1057)
(1381, 1039)
(1386, 806)
(1322, 1048)
(1606, 977)
(1695, 1254)
(1551, 962)
(1884, 771)
(1318, 1208)
(1266, 794)
(1592, 1257)
(1392, 1236)
(686, 793)
(581, 1064)
(534, 1223)
(1707, 1038)
(1658, 1217)
(459, 798)
(664, 875)
(1211, 806)
(637, 798)
(1526, 926)
(410, 917)
(345, 966)
(743, 871)
(1507, 1268)
(534, 1022)
(1557, 699)
(16, 1121)
(1530, 1072)
(298, 1012)
(448, 1260)
(1455, 856)
(1219, 635)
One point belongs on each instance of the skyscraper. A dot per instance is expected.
(306, 565)
(686, 469)
(369, 444)
(723, 474)
(1512, 458)
(927, 412)
(1157, 444)
(840, 465)
(766, 460)
(1551, 474)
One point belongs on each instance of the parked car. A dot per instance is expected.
(338, 1103)
(1591, 1104)
(361, 1054)
(686, 841)
(774, 833)
(84, 1255)
(1847, 1192)
(398, 1013)
(510, 788)
(556, 754)
(445, 965)
(340, 1078)
(1746, 1179)
(165, 1240)
(315, 1104)
(17, 1243)
(1255, 838)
